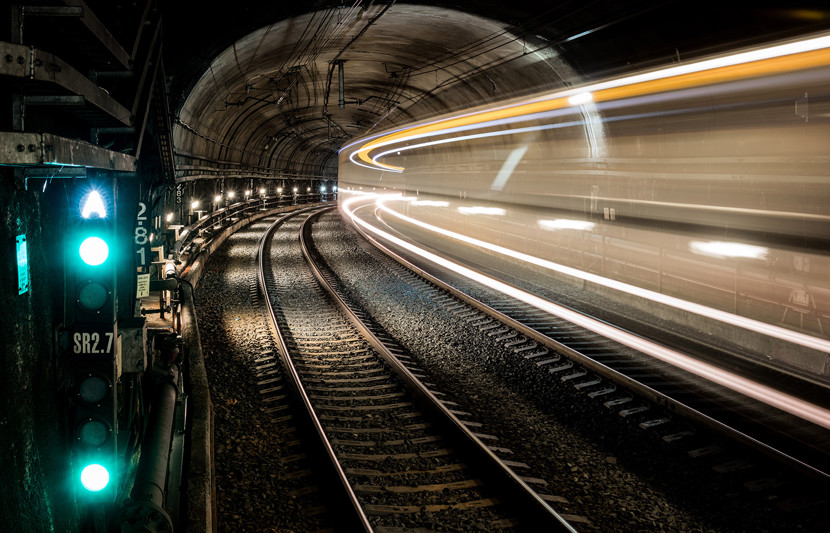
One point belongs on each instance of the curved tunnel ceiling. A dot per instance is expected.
(270, 103)
(273, 98)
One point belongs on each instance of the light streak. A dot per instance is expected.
(728, 249)
(775, 398)
(788, 57)
(735, 320)
(430, 203)
(481, 210)
(581, 98)
(508, 167)
(471, 137)
(565, 223)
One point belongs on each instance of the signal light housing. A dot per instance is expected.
(93, 296)
(93, 344)
(93, 433)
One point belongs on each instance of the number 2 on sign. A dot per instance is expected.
(87, 343)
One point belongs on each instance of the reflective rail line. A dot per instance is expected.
(400, 455)
(267, 284)
(618, 374)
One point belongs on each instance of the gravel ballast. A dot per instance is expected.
(621, 477)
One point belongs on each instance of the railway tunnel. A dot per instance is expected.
(656, 168)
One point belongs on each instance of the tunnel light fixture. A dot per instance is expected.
(247, 193)
(217, 199)
(231, 194)
(308, 189)
(279, 190)
(169, 217)
(262, 191)
(194, 204)
(295, 190)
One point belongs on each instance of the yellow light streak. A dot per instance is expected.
(755, 64)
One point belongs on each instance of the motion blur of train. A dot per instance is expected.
(698, 193)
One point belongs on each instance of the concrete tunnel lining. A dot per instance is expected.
(266, 99)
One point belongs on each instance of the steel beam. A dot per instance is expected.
(38, 100)
(26, 62)
(38, 149)
(97, 28)
(53, 11)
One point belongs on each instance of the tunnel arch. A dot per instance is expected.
(401, 62)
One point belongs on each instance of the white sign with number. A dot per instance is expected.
(143, 286)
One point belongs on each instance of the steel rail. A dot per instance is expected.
(293, 375)
(602, 370)
(540, 506)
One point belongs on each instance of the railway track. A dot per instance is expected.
(656, 394)
(271, 477)
(403, 456)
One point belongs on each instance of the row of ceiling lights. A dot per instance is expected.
(231, 194)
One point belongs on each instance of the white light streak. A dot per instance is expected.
(430, 203)
(578, 96)
(780, 400)
(564, 223)
(474, 136)
(722, 249)
(508, 167)
(581, 98)
(735, 320)
(480, 210)
(798, 47)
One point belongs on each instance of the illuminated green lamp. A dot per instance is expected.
(95, 477)
(94, 251)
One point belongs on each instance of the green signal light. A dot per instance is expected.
(94, 251)
(95, 477)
